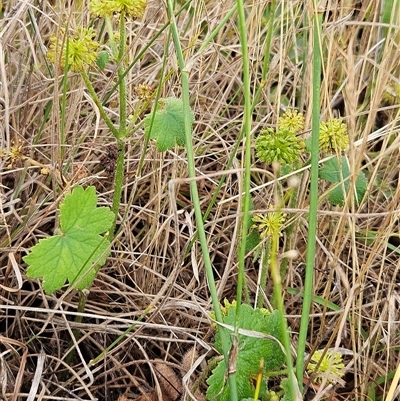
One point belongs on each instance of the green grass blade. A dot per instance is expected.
(193, 186)
(312, 222)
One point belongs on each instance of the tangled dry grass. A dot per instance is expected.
(150, 279)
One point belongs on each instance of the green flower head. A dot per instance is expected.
(269, 224)
(82, 49)
(224, 309)
(144, 91)
(331, 364)
(227, 305)
(292, 121)
(107, 8)
(282, 146)
(333, 136)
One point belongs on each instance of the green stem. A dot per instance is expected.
(267, 51)
(122, 132)
(278, 301)
(247, 155)
(312, 220)
(76, 332)
(275, 273)
(99, 105)
(121, 78)
(118, 185)
(264, 271)
(63, 110)
(292, 197)
(119, 134)
(195, 195)
(247, 167)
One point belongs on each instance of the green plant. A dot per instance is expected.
(50, 119)
(77, 253)
(285, 147)
(259, 340)
(166, 124)
(327, 363)
(77, 250)
(282, 146)
(79, 52)
(270, 226)
(337, 171)
(71, 254)
(315, 39)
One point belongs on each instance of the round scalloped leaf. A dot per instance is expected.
(168, 124)
(79, 250)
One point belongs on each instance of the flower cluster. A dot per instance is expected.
(333, 136)
(227, 305)
(144, 91)
(81, 49)
(284, 145)
(269, 224)
(292, 121)
(107, 8)
(224, 309)
(331, 364)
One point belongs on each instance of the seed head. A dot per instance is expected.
(292, 121)
(282, 146)
(14, 155)
(144, 91)
(333, 136)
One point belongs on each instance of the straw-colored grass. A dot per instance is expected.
(357, 259)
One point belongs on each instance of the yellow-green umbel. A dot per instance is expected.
(107, 8)
(269, 224)
(331, 364)
(282, 146)
(333, 136)
(81, 49)
(292, 121)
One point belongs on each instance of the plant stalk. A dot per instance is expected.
(195, 195)
(312, 220)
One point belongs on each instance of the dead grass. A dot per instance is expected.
(357, 260)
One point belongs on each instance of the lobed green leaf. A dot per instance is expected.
(168, 127)
(338, 171)
(76, 254)
(250, 352)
